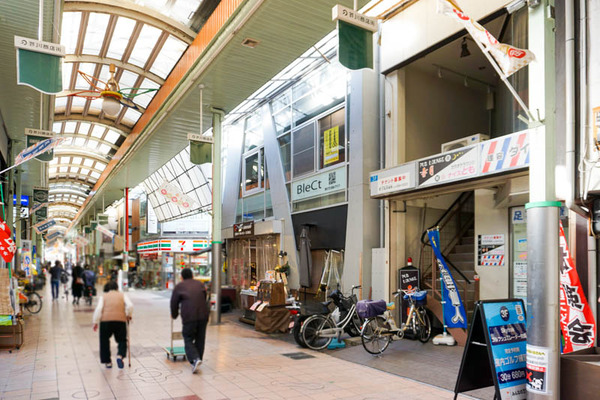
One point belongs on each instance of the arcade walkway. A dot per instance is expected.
(59, 359)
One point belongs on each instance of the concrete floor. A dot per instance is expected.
(59, 359)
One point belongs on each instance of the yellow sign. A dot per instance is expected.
(331, 143)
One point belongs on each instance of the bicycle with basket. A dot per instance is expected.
(380, 328)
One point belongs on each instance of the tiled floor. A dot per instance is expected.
(59, 359)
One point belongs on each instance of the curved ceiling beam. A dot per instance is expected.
(67, 204)
(136, 12)
(68, 191)
(86, 58)
(102, 141)
(72, 151)
(124, 130)
(63, 175)
(59, 180)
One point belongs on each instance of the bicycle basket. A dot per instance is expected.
(419, 297)
(370, 308)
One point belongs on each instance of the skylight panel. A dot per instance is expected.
(54, 161)
(168, 56)
(112, 136)
(53, 170)
(63, 169)
(84, 128)
(76, 161)
(95, 174)
(88, 162)
(120, 38)
(87, 68)
(144, 99)
(70, 126)
(128, 79)
(79, 142)
(70, 31)
(100, 166)
(60, 102)
(144, 45)
(63, 160)
(132, 115)
(183, 10)
(98, 131)
(92, 144)
(67, 71)
(95, 32)
(104, 148)
(78, 102)
(84, 171)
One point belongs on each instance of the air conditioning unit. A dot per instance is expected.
(464, 142)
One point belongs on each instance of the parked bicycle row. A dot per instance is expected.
(315, 326)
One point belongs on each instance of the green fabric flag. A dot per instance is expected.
(355, 49)
(47, 156)
(41, 71)
(200, 152)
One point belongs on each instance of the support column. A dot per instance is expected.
(125, 269)
(18, 225)
(543, 210)
(217, 243)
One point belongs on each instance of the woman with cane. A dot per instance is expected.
(113, 313)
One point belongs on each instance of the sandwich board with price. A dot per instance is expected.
(496, 350)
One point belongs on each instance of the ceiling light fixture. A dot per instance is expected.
(111, 98)
(464, 50)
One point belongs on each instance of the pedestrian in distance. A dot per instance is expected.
(191, 295)
(113, 312)
(55, 274)
(77, 283)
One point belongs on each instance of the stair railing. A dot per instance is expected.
(429, 274)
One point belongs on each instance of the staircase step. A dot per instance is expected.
(455, 257)
(467, 240)
(464, 248)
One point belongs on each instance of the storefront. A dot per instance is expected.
(160, 259)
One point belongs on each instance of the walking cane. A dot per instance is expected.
(128, 346)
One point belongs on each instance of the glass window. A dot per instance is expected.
(285, 151)
(144, 45)
(262, 168)
(168, 56)
(304, 150)
(283, 120)
(67, 70)
(253, 137)
(251, 172)
(120, 37)
(94, 35)
(70, 31)
(254, 207)
(332, 139)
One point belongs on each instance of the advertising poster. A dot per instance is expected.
(537, 369)
(491, 250)
(507, 334)
(394, 179)
(331, 138)
(456, 165)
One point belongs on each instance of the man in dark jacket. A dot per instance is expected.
(191, 294)
(55, 273)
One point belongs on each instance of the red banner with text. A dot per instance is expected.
(576, 318)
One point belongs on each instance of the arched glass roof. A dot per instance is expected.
(144, 39)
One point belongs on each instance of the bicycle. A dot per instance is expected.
(30, 300)
(319, 330)
(378, 331)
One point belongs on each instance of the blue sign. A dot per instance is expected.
(45, 226)
(24, 200)
(454, 310)
(507, 332)
(53, 235)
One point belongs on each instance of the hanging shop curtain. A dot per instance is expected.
(305, 259)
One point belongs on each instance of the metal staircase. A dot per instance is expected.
(458, 247)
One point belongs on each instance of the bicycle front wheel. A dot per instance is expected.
(34, 303)
(311, 332)
(423, 326)
(376, 335)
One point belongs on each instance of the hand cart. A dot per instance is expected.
(175, 352)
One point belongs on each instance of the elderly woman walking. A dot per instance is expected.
(112, 313)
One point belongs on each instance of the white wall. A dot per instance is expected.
(494, 281)
(420, 26)
(439, 111)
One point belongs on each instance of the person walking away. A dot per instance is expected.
(89, 281)
(112, 313)
(55, 274)
(191, 295)
(77, 283)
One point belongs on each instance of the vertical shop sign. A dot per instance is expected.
(35, 136)
(491, 250)
(331, 139)
(355, 37)
(496, 350)
(40, 202)
(576, 317)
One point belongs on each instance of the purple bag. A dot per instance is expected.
(370, 308)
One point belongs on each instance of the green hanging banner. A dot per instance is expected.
(355, 38)
(39, 64)
(200, 148)
(37, 135)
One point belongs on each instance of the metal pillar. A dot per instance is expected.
(543, 210)
(125, 269)
(18, 225)
(217, 243)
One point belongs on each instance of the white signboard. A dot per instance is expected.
(393, 180)
(319, 185)
(492, 239)
(447, 167)
(39, 46)
(352, 17)
(39, 132)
